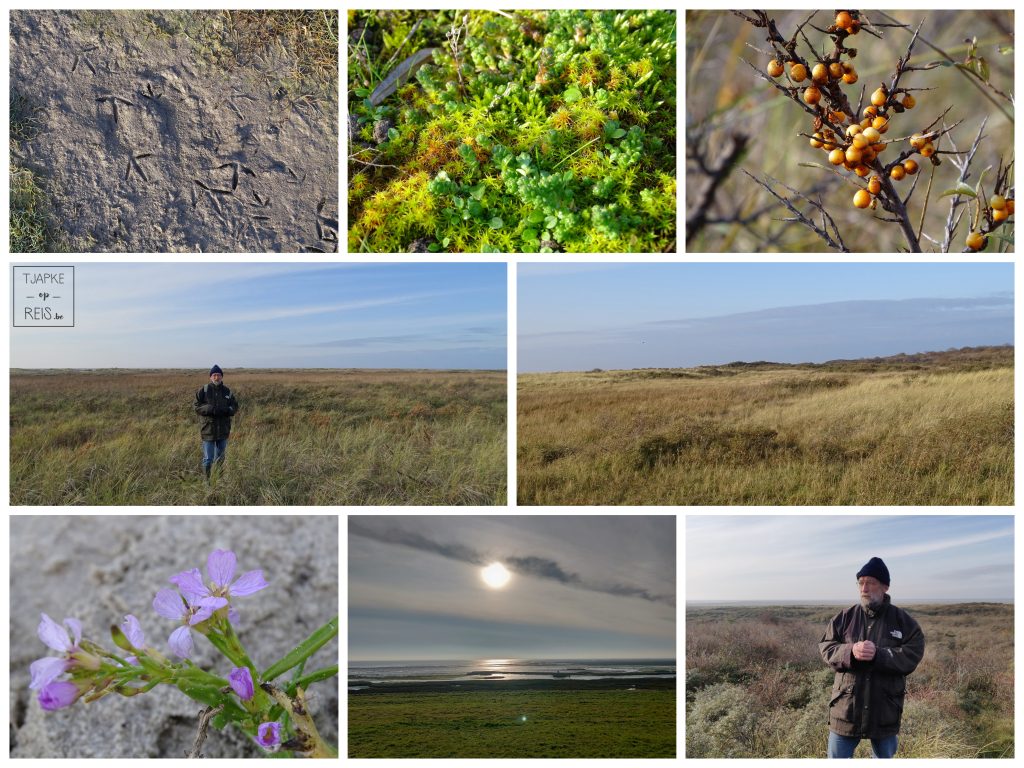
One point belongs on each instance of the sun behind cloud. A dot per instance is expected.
(495, 575)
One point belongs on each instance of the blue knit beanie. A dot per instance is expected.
(876, 568)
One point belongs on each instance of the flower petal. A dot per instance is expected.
(53, 634)
(247, 584)
(58, 695)
(204, 609)
(75, 627)
(269, 735)
(241, 682)
(220, 566)
(180, 642)
(47, 670)
(233, 616)
(133, 631)
(190, 583)
(169, 604)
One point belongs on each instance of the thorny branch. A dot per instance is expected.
(835, 242)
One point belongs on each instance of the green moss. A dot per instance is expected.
(547, 131)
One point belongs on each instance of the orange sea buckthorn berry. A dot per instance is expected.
(798, 72)
(862, 170)
(838, 117)
(997, 202)
(872, 135)
(775, 68)
(1000, 215)
(853, 155)
(812, 95)
(879, 148)
(879, 97)
(816, 141)
(1009, 206)
(875, 185)
(854, 28)
(819, 73)
(862, 198)
(850, 77)
(909, 102)
(835, 70)
(837, 157)
(910, 166)
(853, 130)
(870, 111)
(928, 150)
(868, 155)
(976, 241)
(917, 141)
(880, 124)
(844, 19)
(859, 141)
(898, 172)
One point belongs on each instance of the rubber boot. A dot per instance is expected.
(206, 471)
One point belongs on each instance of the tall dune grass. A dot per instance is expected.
(301, 437)
(767, 435)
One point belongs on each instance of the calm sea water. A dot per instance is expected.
(506, 669)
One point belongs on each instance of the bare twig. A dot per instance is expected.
(835, 242)
(204, 725)
(965, 172)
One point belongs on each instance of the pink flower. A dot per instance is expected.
(58, 695)
(63, 639)
(171, 605)
(268, 736)
(240, 680)
(220, 568)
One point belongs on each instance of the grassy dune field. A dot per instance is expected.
(301, 437)
(934, 428)
(756, 686)
(580, 724)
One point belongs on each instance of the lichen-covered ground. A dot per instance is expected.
(532, 131)
(159, 131)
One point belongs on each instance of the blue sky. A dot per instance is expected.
(798, 557)
(581, 587)
(190, 315)
(583, 316)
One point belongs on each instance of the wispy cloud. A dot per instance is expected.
(526, 565)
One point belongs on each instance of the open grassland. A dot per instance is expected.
(301, 437)
(756, 686)
(583, 724)
(928, 429)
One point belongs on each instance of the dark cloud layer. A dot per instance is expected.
(530, 565)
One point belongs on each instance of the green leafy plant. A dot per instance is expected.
(542, 131)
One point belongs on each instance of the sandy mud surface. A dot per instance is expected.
(155, 135)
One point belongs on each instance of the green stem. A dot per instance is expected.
(303, 650)
(232, 651)
(313, 677)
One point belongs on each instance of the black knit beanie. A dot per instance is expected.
(876, 568)
(216, 369)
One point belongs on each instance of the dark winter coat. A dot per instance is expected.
(215, 406)
(867, 696)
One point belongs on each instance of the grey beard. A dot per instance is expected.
(871, 605)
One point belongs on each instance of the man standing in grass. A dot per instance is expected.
(215, 405)
(872, 647)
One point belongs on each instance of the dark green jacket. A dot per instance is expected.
(867, 696)
(215, 406)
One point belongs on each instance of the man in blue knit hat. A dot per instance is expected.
(215, 405)
(872, 647)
